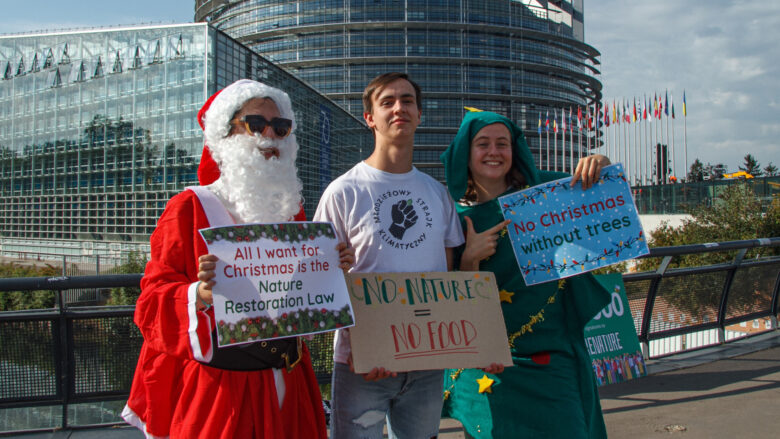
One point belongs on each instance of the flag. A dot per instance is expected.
(627, 111)
(685, 110)
(655, 105)
(571, 127)
(591, 117)
(614, 112)
(539, 127)
(563, 120)
(649, 113)
(672, 106)
(666, 103)
(606, 114)
(634, 115)
(547, 122)
(555, 123)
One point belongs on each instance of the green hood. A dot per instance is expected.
(456, 156)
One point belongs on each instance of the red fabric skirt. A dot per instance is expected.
(185, 399)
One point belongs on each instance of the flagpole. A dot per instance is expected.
(651, 133)
(616, 133)
(571, 144)
(659, 136)
(555, 140)
(648, 162)
(539, 131)
(637, 146)
(588, 132)
(685, 171)
(666, 113)
(596, 141)
(547, 129)
(646, 135)
(627, 146)
(685, 130)
(579, 133)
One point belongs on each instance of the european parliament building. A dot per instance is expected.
(98, 130)
(521, 58)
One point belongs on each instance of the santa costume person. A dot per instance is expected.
(184, 385)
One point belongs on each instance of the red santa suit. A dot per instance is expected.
(174, 392)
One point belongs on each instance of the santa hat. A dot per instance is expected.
(215, 115)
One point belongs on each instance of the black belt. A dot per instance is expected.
(268, 354)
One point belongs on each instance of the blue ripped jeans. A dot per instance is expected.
(410, 402)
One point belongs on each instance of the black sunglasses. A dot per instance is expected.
(255, 123)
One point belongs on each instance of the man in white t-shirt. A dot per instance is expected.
(397, 219)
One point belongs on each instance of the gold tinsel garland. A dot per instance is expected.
(533, 320)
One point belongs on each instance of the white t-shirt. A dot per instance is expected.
(395, 222)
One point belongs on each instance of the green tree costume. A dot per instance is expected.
(550, 391)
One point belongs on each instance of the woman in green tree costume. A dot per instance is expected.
(550, 391)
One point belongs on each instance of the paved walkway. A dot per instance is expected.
(723, 392)
(730, 391)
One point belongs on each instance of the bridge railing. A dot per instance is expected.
(680, 309)
(72, 366)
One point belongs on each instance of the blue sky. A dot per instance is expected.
(723, 53)
(28, 15)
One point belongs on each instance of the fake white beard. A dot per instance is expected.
(255, 188)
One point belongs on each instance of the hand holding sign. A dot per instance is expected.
(589, 170)
(559, 231)
(275, 280)
(423, 321)
(206, 274)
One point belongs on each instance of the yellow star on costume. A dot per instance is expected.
(484, 384)
(506, 296)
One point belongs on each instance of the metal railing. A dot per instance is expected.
(679, 198)
(682, 302)
(59, 363)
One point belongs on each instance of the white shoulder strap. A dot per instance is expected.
(212, 206)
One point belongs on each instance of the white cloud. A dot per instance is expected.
(722, 53)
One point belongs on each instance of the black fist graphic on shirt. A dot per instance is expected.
(404, 217)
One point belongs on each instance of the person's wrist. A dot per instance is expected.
(200, 302)
(467, 263)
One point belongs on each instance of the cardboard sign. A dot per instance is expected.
(422, 321)
(611, 337)
(558, 230)
(277, 280)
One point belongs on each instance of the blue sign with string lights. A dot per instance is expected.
(559, 230)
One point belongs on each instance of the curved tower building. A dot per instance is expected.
(526, 59)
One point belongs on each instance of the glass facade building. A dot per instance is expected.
(98, 130)
(521, 58)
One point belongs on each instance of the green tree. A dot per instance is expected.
(136, 263)
(751, 166)
(770, 170)
(736, 214)
(697, 171)
(19, 300)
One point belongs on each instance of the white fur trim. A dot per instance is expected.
(281, 386)
(215, 211)
(192, 312)
(133, 419)
(232, 98)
